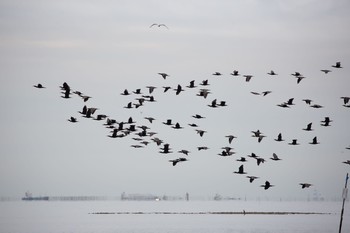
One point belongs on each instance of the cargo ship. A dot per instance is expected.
(29, 197)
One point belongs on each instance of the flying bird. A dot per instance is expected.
(294, 142)
(308, 127)
(159, 25)
(271, 73)
(252, 178)
(337, 65)
(240, 170)
(164, 75)
(326, 121)
(175, 161)
(39, 85)
(267, 185)
(326, 71)
(73, 119)
(305, 185)
(314, 141)
(275, 157)
(279, 138)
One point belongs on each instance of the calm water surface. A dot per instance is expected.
(65, 217)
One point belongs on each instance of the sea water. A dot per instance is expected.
(170, 216)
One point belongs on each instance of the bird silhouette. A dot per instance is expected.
(279, 138)
(305, 185)
(39, 85)
(271, 73)
(200, 132)
(326, 71)
(248, 77)
(252, 178)
(177, 126)
(337, 65)
(326, 121)
(166, 149)
(308, 127)
(164, 75)
(186, 152)
(314, 141)
(230, 138)
(275, 157)
(159, 25)
(267, 185)
(235, 73)
(73, 119)
(175, 161)
(294, 142)
(240, 170)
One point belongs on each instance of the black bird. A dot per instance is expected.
(184, 152)
(305, 185)
(125, 92)
(308, 127)
(175, 161)
(226, 153)
(178, 89)
(345, 99)
(164, 75)
(299, 78)
(235, 73)
(200, 132)
(252, 178)
(202, 148)
(314, 141)
(168, 122)
(248, 77)
(294, 142)
(296, 74)
(150, 119)
(39, 85)
(326, 121)
(191, 84)
(279, 138)
(166, 149)
(73, 119)
(259, 161)
(217, 74)
(205, 82)
(166, 88)
(129, 105)
(137, 91)
(203, 92)
(316, 106)
(275, 157)
(177, 126)
(326, 71)
(213, 104)
(151, 89)
(347, 162)
(193, 125)
(230, 138)
(267, 185)
(240, 170)
(271, 73)
(159, 25)
(100, 117)
(242, 159)
(197, 116)
(307, 101)
(337, 65)
(290, 101)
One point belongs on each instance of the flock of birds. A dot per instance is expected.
(142, 134)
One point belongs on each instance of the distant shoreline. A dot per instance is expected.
(216, 213)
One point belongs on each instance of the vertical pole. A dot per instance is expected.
(344, 198)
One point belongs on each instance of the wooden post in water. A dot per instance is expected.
(345, 193)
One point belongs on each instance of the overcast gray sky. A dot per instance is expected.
(103, 47)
